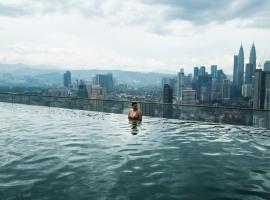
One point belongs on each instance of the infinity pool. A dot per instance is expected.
(52, 153)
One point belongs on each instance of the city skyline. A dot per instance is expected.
(127, 36)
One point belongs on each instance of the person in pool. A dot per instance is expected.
(135, 113)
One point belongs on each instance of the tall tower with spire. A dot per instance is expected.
(252, 57)
(240, 68)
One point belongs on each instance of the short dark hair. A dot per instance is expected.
(134, 103)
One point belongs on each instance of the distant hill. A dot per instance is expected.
(125, 77)
(47, 75)
(22, 69)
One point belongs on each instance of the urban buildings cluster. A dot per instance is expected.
(202, 87)
(250, 85)
(101, 85)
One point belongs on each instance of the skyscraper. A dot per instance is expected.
(169, 81)
(67, 79)
(82, 90)
(202, 71)
(180, 85)
(249, 73)
(167, 99)
(97, 92)
(266, 66)
(214, 71)
(267, 92)
(246, 90)
(189, 97)
(252, 57)
(240, 68)
(203, 87)
(261, 98)
(196, 72)
(259, 88)
(235, 69)
(105, 81)
(225, 89)
(167, 94)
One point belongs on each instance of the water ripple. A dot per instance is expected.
(52, 153)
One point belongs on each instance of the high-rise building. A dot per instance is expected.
(167, 94)
(203, 87)
(226, 89)
(216, 91)
(214, 71)
(235, 69)
(221, 87)
(180, 85)
(258, 94)
(252, 57)
(267, 92)
(202, 71)
(169, 81)
(167, 99)
(221, 75)
(98, 92)
(105, 81)
(67, 78)
(246, 90)
(266, 66)
(189, 97)
(188, 81)
(267, 99)
(82, 90)
(249, 73)
(240, 68)
(238, 71)
(196, 72)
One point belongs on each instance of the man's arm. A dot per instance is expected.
(129, 114)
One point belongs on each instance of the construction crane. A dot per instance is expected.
(261, 60)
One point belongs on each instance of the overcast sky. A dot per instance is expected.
(137, 35)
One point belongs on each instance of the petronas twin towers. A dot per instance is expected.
(252, 56)
(239, 77)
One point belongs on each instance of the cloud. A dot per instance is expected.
(11, 10)
(145, 35)
(208, 11)
(149, 12)
(14, 8)
(77, 58)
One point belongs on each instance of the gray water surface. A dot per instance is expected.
(52, 153)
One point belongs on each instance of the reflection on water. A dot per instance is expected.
(70, 154)
(135, 126)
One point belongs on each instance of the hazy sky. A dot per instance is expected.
(141, 35)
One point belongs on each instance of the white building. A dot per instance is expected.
(246, 90)
(180, 85)
(97, 92)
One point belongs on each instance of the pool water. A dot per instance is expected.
(53, 153)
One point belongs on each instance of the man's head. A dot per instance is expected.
(134, 105)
